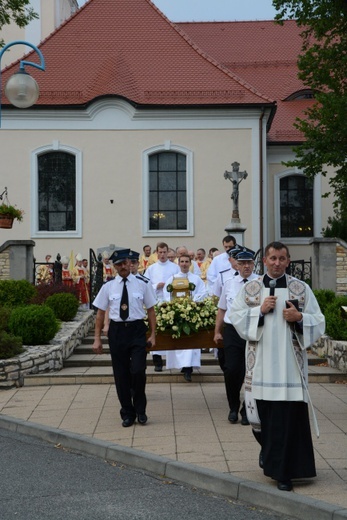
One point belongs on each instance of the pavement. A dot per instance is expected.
(188, 438)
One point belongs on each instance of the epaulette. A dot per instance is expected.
(141, 277)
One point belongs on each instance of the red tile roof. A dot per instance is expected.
(265, 55)
(128, 48)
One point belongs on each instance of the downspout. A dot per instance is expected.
(261, 181)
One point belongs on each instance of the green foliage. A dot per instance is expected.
(18, 11)
(323, 68)
(11, 211)
(324, 298)
(64, 305)
(35, 324)
(337, 226)
(15, 292)
(45, 291)
(336, 319)
(5, 313)
(10, 345)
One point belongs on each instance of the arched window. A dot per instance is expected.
(296, 207)
(56, 192)
(168, 193)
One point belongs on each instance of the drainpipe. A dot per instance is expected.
(261, 180)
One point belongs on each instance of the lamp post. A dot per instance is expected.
(22, 90)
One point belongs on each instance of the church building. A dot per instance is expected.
(138, 123)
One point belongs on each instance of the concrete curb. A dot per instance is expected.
(213, 481)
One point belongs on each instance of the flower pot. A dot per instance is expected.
(202, 339)
(6, 221)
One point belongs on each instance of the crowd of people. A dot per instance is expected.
(265, 323)
(77, 276)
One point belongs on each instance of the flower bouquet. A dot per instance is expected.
(183, 323)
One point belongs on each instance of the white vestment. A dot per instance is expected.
(159, 273)
(188, 357)
(276, 359)
(276, 374)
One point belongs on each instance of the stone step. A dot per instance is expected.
(85, 367)
(208, 373)
(83, 356)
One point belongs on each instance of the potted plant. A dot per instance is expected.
(8, 214)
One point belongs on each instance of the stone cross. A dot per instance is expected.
(235, 176)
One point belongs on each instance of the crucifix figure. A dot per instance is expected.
(235, 176)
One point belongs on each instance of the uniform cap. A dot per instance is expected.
(245, 254)
(119, 256)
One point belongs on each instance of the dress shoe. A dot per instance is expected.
(284, 485)
(158, 368)
(261, 462)
(233, 417)
(187, 376)
(142, 418)
(128, 422)
(244, 420)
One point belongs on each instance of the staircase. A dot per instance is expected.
(84, 367)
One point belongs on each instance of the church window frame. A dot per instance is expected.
(76, 156)
(176, 198)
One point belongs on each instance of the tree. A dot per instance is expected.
(322, 68)
(18, 11)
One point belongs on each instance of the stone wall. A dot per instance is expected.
(46, 358)
(341, 268)
(333, 350)
(5, 265)
(17, 260)
(329, 264)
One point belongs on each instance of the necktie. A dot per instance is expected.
(245, 280)
(124, 303)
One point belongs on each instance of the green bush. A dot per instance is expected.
(35, 324)
(15, 292)
(337, 226)
(64, 305)
(10, 345)
(324, 298)
(42, 292)
(336, 319)
(5, 313)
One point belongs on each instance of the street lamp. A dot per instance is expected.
(22, 90)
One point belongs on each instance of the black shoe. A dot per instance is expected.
(187, 376)
(158, 368)
(285, 485)
(261, 462)
(233, 417)
(128, 422)
(244, 420)
(142, 418)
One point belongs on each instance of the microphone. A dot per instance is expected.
(272, 284)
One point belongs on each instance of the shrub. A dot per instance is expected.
(324, 298)
(5, 313)
(42, 292)
(35, 324)
(10, 345)
(64, 305)
(336, 319)
(16, 292)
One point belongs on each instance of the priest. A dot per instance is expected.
(280, 318)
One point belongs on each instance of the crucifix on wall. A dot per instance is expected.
(235, 176)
